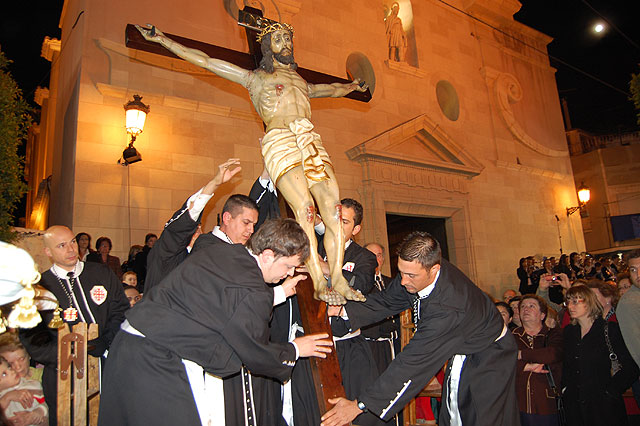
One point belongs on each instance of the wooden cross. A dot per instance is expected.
(326, 372)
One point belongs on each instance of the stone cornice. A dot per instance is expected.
(50, 46)
(176, 102)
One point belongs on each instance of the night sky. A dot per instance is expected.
(593, 105)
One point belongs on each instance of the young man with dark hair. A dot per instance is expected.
(455, 321)
(239, 216)
(209, 315)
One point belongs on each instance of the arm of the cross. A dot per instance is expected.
(135, 40)
(220, 67)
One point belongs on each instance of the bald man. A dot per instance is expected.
(86, 292)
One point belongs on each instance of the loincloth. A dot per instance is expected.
(284, 149)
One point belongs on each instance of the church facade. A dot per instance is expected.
(464, 123)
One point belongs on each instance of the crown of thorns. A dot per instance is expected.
(273, 28)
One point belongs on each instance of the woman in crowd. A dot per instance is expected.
(539, 352)
(84, 245)
(523, 276)
(103, 247)
(607, 296)
(624, 283)
(515, 318)
(589, 267)
(592, 394)
(128, 265)
(507, 313)
(575, 263)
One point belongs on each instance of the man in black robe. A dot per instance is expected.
(384, 336)
(357, 363)
(456, 321)
(86, 292)
(171, 248)
(209, 315)
(239, 216)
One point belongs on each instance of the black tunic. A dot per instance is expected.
(456, 318)
(357, 364)
(170, 249)
(41, 342)
(383, 334)
(591, 395)
(213, 310)
(266, 390)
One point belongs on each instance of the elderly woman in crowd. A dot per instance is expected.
(593, 384)
(539, 354)
(84, 245)
(103, 247)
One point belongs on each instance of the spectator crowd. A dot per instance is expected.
(575, 320)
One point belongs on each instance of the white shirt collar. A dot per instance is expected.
(220, 234)
(425, 292)
(62, 273)
(347, 244)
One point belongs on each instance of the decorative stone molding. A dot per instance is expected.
(506, 91)
(533, 170)
(405, 68)
(50, 47)
(176, 102)
(418, 144)
(42, 93)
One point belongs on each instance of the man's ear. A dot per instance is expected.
(226, 218)
(47, 251)
(434, 269)
(356, 229)
(267, 255)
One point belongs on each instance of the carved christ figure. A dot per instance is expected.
(293, 154)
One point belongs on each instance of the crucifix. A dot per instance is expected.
(293, 154)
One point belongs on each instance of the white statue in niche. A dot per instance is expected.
(396, 37)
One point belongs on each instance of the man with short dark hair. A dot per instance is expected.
(455, 321)
(210, 315)
(239, 216)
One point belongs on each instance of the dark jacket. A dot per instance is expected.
(113, 262)
(456, 318)
(534, 393)
(591, 395)
(170, 250)
(41, 342)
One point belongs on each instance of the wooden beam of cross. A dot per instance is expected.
(135, 40)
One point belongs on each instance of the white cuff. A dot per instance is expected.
(320, 228)
(279, 295)
(297, 351)
(199, 201)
